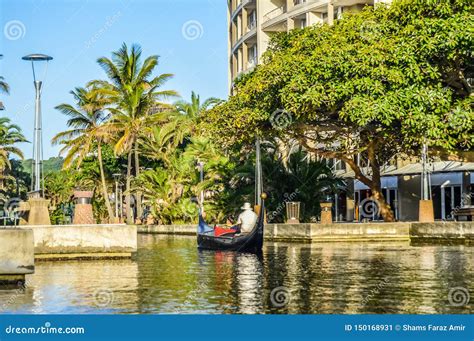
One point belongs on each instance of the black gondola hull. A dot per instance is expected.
(251, 242)
(246, 243)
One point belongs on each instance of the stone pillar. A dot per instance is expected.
(426, 212)
(326, 213)
(245, 56)
(17, 257)
(290, 24)
(350, 204)
(330, 13)
(38, 213)
(83, 208)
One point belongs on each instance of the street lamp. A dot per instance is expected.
(36, 187)
(426, 211)
(117, 178)
(424, 175)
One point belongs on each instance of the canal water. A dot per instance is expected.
(170, 276)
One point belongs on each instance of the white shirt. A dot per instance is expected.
(247, 220)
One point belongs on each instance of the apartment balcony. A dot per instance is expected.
(274, 19)
(248, 35)
(274, 13)
(307, 6)
(242, 4)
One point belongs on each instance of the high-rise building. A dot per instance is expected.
(252, 22)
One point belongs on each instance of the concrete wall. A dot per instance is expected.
(85, 241)
(338, 232)
(16, 252)
(462, 232)
(308, 232)
(438, 231)
(168, 229)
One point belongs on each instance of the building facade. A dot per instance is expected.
(252, 22)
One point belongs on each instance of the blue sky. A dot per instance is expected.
(190, 36)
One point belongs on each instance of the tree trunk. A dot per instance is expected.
(104, 185)
(127, 188)
(383, 207)
(374, 184)
(138, 194)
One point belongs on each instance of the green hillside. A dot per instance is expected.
(51, 165)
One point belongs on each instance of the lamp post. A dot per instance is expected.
(424, 182)
(426, 211)
(37, 205)
(200, 165)
(36, 187)
(117, 177)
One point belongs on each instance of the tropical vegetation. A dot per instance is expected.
(373, 87)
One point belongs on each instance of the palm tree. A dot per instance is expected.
(10, 134)
(188, 113)
(137, 103)
(160, 142)
(87, 132)
(4, 86)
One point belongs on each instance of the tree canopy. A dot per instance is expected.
(377, 84)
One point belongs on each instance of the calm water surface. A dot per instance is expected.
(169, 275)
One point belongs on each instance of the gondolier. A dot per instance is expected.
(247, 219)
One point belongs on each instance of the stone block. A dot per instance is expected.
(16, 254)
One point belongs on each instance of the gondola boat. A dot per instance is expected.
(249, 242)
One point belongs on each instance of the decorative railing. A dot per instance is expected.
(274, 13)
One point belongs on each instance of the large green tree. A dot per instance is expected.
(137, 102)
(374, 86)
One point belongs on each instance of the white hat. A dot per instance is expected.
(246, 206)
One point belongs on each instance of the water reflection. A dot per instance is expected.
(169, 275)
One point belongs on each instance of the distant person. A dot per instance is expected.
(247, 219)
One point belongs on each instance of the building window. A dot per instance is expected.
(298, 2)
(252, 20)
(252, 56)
(336, 164)
(303, 23)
